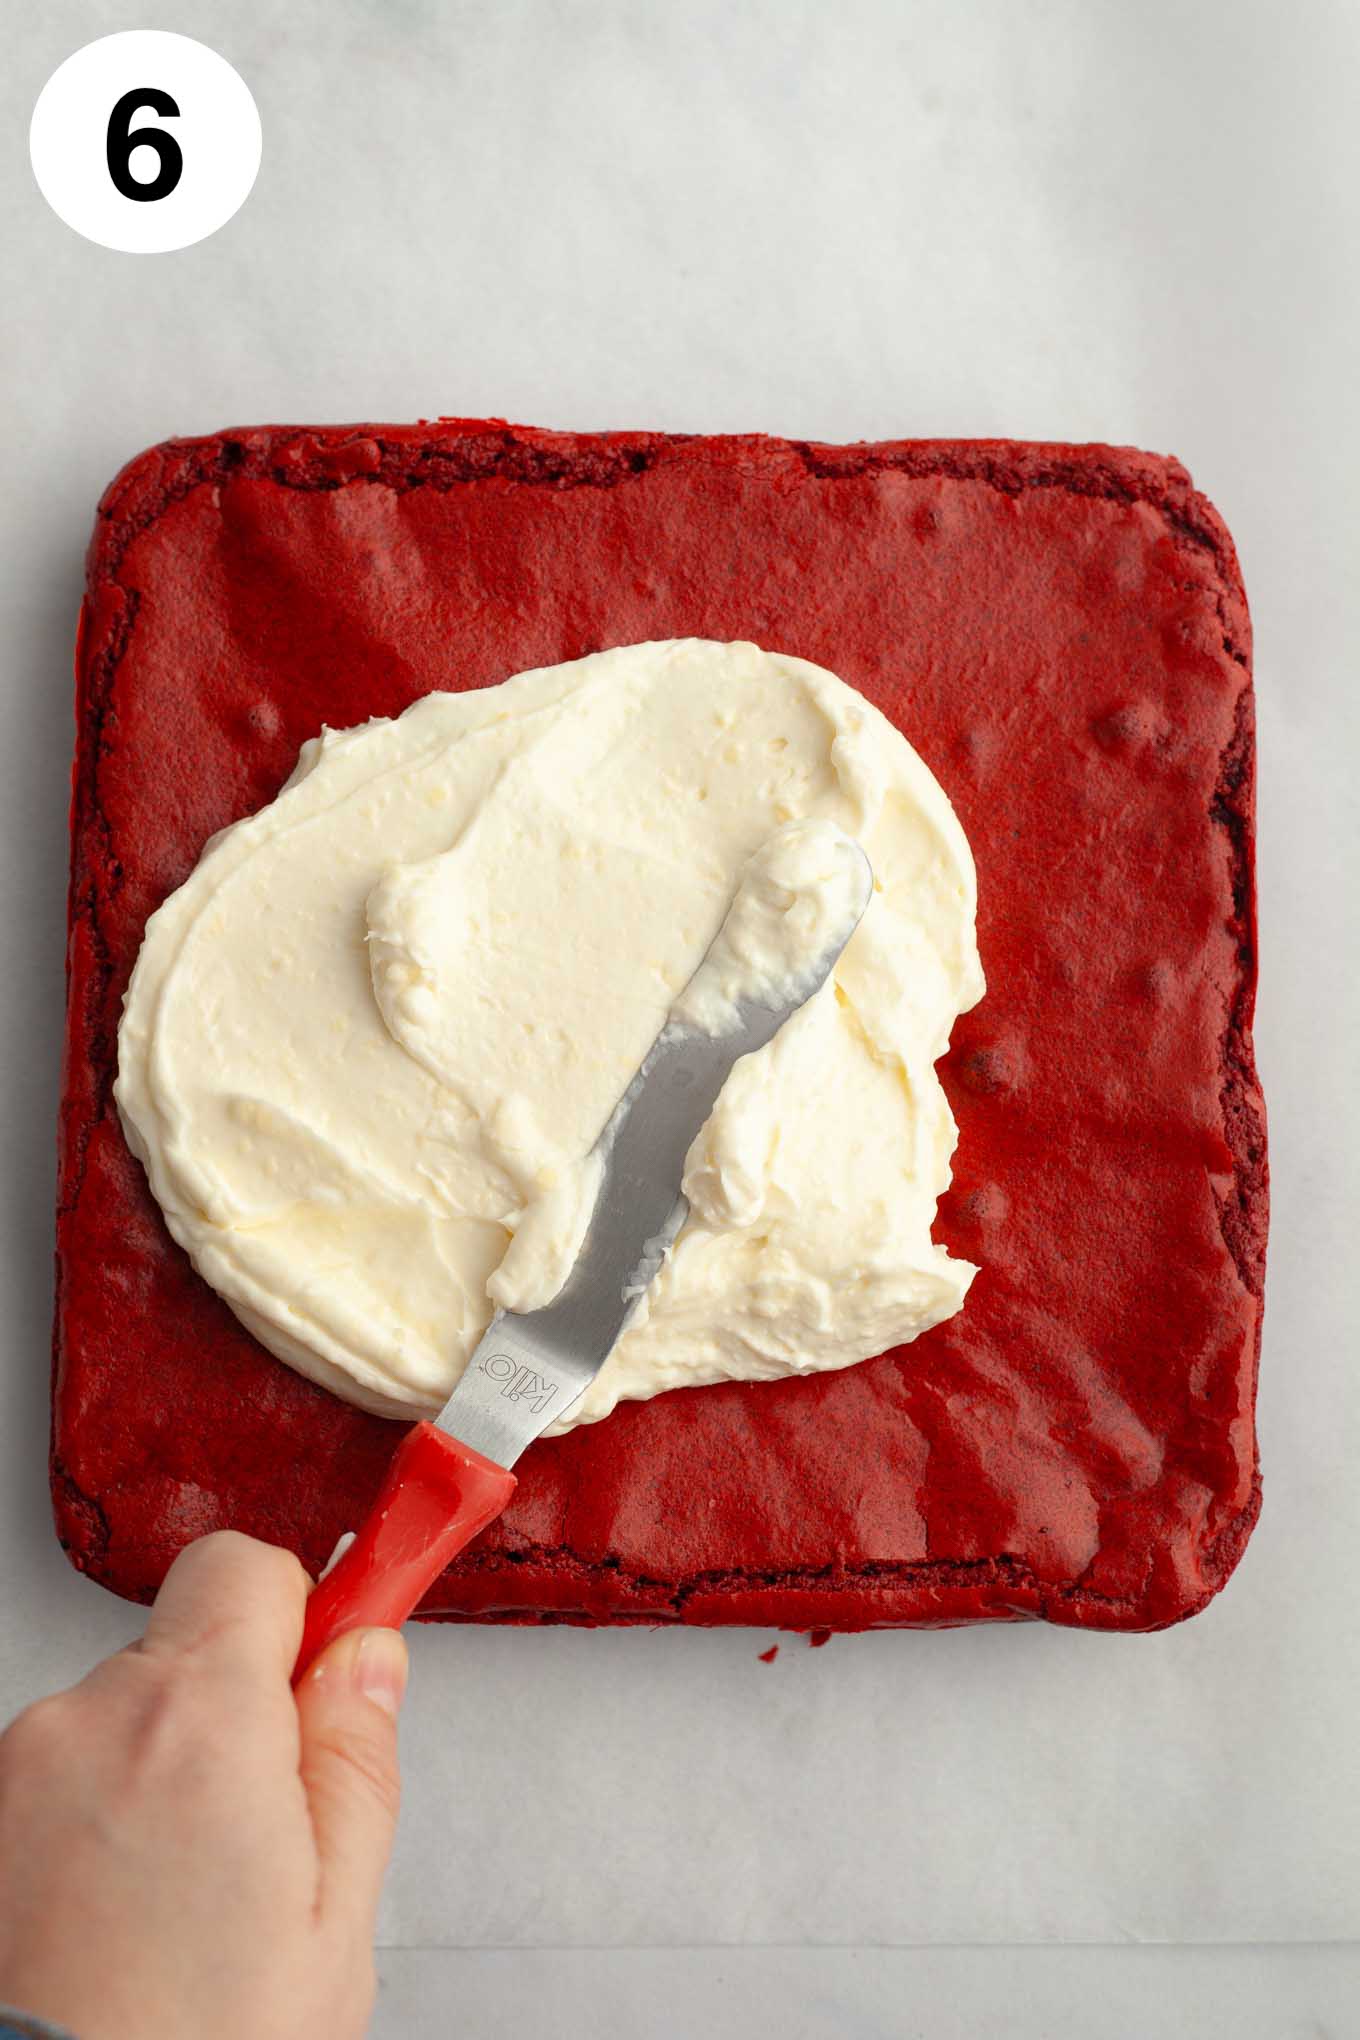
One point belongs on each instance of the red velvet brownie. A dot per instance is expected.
(1061, 632)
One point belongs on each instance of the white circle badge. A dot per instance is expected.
(145, 141)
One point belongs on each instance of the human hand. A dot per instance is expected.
(187, 1847)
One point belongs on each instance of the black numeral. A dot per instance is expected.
(122, 139)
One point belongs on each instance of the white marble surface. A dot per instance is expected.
(1079, 219)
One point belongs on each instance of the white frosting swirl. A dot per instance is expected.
(371, 1040)
(804, 889)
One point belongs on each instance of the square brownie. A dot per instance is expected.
(1062, 633)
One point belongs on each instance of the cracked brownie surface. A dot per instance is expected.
(1061, 632)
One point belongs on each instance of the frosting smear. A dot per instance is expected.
(371, 1040)
(799, 895)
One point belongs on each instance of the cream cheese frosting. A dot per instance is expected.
(800, 893)
(370, 1042)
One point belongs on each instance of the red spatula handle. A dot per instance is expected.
(437, 1495)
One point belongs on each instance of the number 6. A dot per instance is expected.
(120, 141)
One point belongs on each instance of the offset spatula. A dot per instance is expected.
(451, 1477)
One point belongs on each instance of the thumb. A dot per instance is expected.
(347, 1713)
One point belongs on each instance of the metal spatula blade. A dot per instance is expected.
(450, 1477)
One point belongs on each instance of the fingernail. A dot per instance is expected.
(379, 1668)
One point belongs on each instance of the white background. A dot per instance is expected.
(1082, 219)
